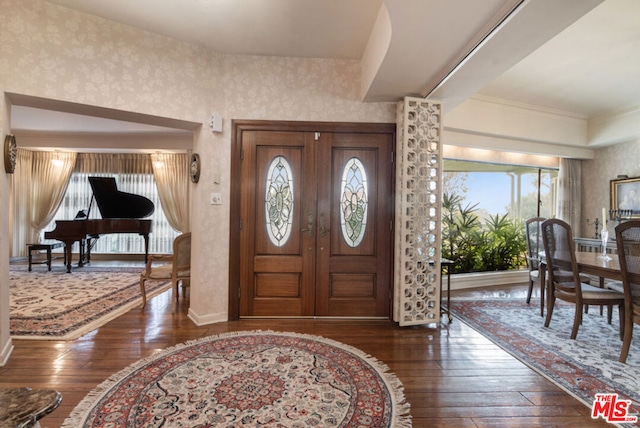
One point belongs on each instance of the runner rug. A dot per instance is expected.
(583, 367)
(248, 379)
(60, 306)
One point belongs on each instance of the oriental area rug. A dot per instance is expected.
(249, 379)
(582, 367)
(56, 305)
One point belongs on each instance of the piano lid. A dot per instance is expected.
(113, 203)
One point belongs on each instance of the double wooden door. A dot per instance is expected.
(316, 215)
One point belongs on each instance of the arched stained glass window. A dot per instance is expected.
(354, 202)
(278, 201)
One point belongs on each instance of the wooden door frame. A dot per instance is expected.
(240, 126)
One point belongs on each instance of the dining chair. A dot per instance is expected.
(564, 278)
(535, 249)
(628, 242)
(533, 236)
(175, 267)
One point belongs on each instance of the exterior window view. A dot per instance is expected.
(485, 207)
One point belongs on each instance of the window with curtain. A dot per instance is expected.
(133, 174)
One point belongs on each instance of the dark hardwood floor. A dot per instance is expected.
(453, 376)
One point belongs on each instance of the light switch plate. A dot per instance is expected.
(216, 199)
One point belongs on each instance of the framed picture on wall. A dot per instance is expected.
(625, 198)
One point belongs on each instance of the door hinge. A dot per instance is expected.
(241, 154)
(240, 222)
(316, 136)
(393, 157)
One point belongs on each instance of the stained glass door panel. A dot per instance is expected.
(316, 211)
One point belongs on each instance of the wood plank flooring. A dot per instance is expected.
(453, 376)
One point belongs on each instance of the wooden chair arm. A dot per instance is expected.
(153, 258)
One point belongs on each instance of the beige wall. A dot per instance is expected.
(607, 164)
(5, 340)
(53, 52)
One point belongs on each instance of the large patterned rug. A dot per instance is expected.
(249, 379)
(582, 367)
(60, 306)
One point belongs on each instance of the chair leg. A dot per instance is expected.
(176, 294)
(552, 301)
(626, 341)
(143, 292)
(577, 320)
(623, 321)
(530, 291)
(543, 288)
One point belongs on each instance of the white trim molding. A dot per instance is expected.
(201, 320)
(463, 281)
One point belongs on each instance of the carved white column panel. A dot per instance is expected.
(418, 212)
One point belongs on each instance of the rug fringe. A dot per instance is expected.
(401, 415)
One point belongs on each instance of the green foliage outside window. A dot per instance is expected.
(498, 244)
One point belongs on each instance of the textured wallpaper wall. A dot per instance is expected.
(607, 164)
(53, 52)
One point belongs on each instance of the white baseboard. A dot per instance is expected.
(462, 281)
(201, 320)
(6, 352)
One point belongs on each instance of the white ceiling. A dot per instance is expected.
(577, 56)
(592, 68)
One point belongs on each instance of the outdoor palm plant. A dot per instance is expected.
(499, 244)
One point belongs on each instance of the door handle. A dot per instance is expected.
(323, 229)
(309, 228)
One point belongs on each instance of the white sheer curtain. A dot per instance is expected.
(569, 193)
(134, 174)
(171, 172)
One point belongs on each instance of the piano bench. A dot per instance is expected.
(48, 248)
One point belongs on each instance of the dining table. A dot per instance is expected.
(597, 265)
(590, 263)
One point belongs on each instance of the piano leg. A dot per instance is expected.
(81, 244)
(91, 242)
(67, 254)
(146, 247)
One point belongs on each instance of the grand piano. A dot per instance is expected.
(121, 213)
